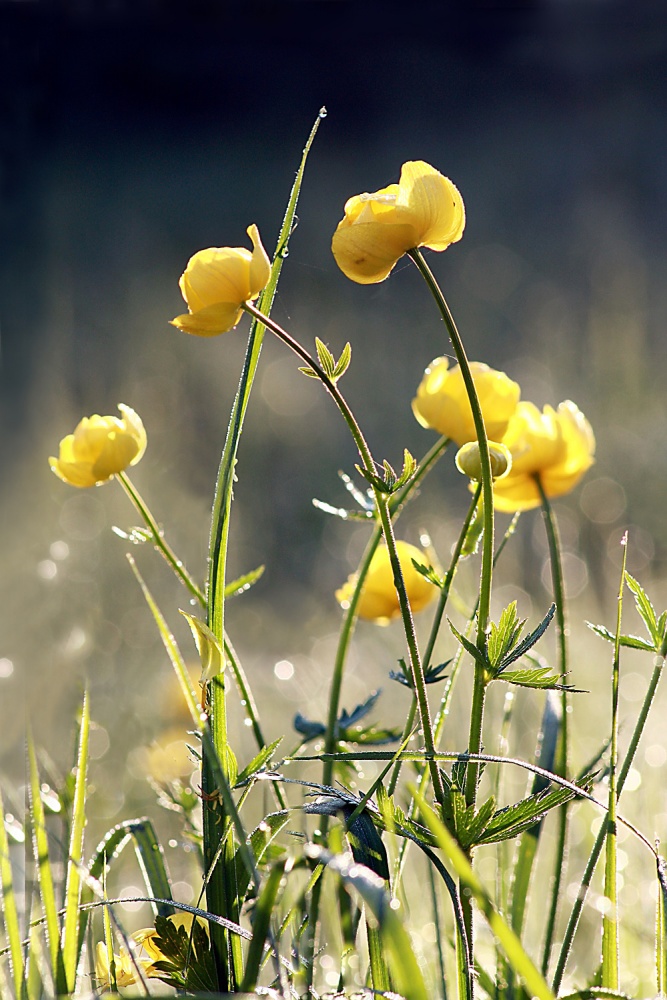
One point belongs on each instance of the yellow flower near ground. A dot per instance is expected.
(99, 448)
(423, 209)
(379, 601)
(468, 460)
(556, 445)
(216, 283)
(442, 402)
(126, 969)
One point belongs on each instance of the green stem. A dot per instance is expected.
(561, 761)
(437, 621)
(158, 538)
(480, 681)
(382, 505)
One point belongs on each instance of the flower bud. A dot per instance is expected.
(378, 601)
(469, 462)
(99, 448)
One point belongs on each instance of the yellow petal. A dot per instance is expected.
(260, 265)
(435, 205)
(99, 448)
(218, 274)
(211, 321)
(368, 251)
(378, 601)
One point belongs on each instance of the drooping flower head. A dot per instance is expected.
(99, 448)
(556, 445)
(423, 210)
(442, 402)
(378, 601)
(469, 460)
(217, 282)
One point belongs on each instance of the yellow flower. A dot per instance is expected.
(423, 210)
(442, 401)
(126, 969)
(556, 445)
(468, 460)
(99, 448)
(217, 282)
(379, 601)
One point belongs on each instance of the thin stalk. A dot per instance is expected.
(437, 620)
(158, 538)
(578, 904)
(382, 505)
(561, 761)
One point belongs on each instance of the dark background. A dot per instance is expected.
(134, 134)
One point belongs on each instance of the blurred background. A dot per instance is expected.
(134, 134)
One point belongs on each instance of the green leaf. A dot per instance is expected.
(325, 358)
(258, 843)
(409, 469)
(258, 762)
(540, 678)
(629, 641)
(210, 650)
(474, 532)
(45, 874)
(519, 650)
(310, 372)
(343, 363)
(645, 608)
(471, 648)
(512, 820)
(504, 636)
(243, 583)
(188, 959)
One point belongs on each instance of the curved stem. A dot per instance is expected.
(480, 680)
(382, 504)
(561, 761)
(158, 538)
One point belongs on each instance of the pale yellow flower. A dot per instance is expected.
(556, 445)
(217, 282)
(99, 448)
(379, 601)
(469, 462)
(423, 209)
(126, 968)
(442, 402)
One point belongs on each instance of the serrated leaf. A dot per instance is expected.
(540, 678)
(209, 649)
(374, 480)
(504, 636)
(628, 641)
(325, 357)
(409, 468)
(258, 762)
(188, 960)
(512, 820)
(310, 372)
(644, 607)
(470, 647)
(343, 362)
(428, 573)
(243, 583)
(530, 640)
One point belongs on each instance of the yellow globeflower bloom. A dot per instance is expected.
(217, 282)
(556, 445)
(99, 448)
(423, 210)
(379, 601)
(126, 969)
(442, 401)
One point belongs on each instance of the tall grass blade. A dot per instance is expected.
(519, 961)
(405, 970)
(45, 874)
(70, 938)
(10, 911)
(261, 925)
(610, 959)
(661, 928)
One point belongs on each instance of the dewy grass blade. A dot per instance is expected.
(45, 875)
(262, 912)
(10, 912)
(610, 959)
(70, 939)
